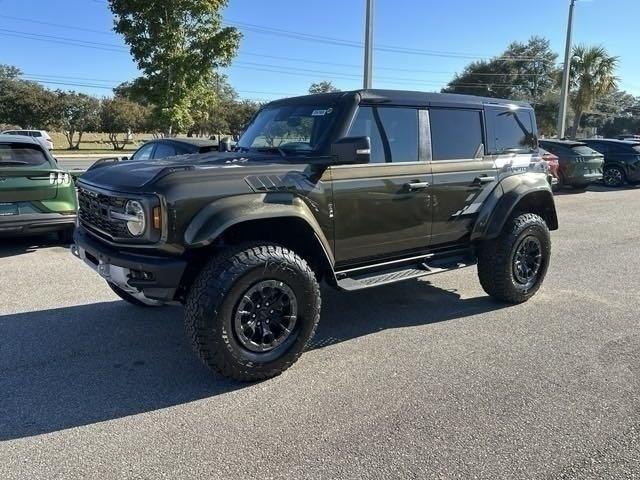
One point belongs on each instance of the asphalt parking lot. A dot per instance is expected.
(425, 379)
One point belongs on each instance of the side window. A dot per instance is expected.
(364, 125)
(163, 151)
(393, 133)
(455, 134)
(400, 127)
(511, 130)
(144, 153)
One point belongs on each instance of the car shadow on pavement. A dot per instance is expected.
(10, 247)
(79, 365)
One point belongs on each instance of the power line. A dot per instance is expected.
(58, 25)
(310, 37)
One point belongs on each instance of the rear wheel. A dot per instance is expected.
(614, 177)
(252, 310)
(512, 267)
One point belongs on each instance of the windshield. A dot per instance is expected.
(21, 155)
(289, 128)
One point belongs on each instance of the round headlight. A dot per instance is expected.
(136, 226)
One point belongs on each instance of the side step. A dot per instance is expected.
(358, 280)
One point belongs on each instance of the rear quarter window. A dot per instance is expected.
(511, 130)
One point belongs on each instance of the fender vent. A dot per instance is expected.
(276, 183)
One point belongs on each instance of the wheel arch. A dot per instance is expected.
(523, 195)
(281, 218)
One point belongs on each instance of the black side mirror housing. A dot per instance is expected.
(224, 145)
(351, 150)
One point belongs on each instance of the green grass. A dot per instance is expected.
(95, 143)
(90, 149)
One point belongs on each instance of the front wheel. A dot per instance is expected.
(252, 310)
(512, 267)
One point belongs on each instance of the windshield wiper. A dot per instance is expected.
(13, 162)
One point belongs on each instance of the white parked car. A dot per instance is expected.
(40, 135)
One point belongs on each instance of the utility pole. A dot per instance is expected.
(368, 45)
(564, 96)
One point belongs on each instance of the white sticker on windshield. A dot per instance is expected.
(318, 113)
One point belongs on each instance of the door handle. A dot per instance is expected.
(416, 185)
(483, 180)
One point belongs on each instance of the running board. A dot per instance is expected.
(428, 266)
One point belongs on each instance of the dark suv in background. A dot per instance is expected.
(580, 165)
(621, 160)
(358, 189)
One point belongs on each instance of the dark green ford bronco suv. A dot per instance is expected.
(358, 189)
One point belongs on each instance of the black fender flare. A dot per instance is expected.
(511, 192)
(215, 218)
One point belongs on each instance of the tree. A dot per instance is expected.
(606, 109)
(76, 113)
(239, 114)
(525, 71)
(24, 103)
(592, 77)
(120, 116)
(177, 45)
(323, 87)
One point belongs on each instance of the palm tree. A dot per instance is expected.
(592, 76)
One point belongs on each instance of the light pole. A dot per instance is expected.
(564, 95)
(368, 45)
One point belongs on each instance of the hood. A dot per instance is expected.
(136, 174)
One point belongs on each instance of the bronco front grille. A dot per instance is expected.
(94, 213)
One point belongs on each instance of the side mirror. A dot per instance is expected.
(351, 150)
(224, 145)
(125, 158)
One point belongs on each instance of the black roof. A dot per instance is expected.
(613, 141)
(399, 97)
(196, 142)
(566, 143)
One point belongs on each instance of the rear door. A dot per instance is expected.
(462, 173)
(25, 174)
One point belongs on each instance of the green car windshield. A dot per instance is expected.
(289, 128)
(20, 155)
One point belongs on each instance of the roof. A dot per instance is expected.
(566, 143)
(197, 142)
(613, 141)
(402, 97)
(17, 139)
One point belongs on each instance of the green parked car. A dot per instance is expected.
(36, 196)
(580, 165)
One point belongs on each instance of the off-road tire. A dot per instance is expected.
(495, 259)
(127, 297)
(619, 181)
(216, 293)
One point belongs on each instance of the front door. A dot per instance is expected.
(381, 209)
(462, 175)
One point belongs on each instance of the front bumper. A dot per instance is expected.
(148, 278)
(35, 224)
